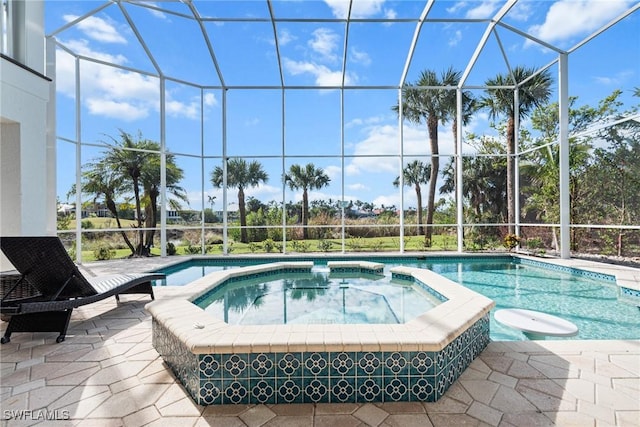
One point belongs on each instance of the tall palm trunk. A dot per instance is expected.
(305, 214)
(419, 200)
(111, 205)
(511, 171)
(151, 220)
(432, 125)
(136, 192)
(243, 216)
(454, 130)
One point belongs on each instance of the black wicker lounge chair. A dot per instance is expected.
(45, 265)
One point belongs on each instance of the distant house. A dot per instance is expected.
(174, 216)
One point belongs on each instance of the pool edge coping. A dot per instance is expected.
(202, 333)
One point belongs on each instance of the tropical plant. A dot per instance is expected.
(151, 179)
(424, 102)
(483, 183)
(451, 77)
(240, 175)
(306, 178)
(128, 166)
(510, 241)
(534, 90)
(416, 173)
(127, 158)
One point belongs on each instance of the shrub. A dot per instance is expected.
(324, 245)
(103, 252)
(253, 247)
(510, 241)
(300, 246)
(355, 243)
(192, 250)
(87, 224)
(268, 245)
(171, 249)
(534, 243)
(377, 245)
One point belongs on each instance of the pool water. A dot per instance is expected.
(318, 297)
(592, 304)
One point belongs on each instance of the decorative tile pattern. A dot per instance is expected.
(630, 292)
(570, 270)
(630, 296)
(327, 377)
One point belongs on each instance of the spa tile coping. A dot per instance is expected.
(202, 333)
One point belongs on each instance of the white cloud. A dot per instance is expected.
(456, 7)
(210, 100)
(615, 80)
(333, 172)
(323, 75)
(98, 29)
(455, 39)
(178, 109)
(116, 93)
(484, 10)
(252, 122)
(521, 11)
(324, 42)
(366, 122)
(570, 18)
(389, 200)
(383, 140)
(390, 14)
(359, 9)
(116, 109)
(285, 37)
(358, 187)
(155, 12)
(360, 57)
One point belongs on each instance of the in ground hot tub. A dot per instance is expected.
(417, 360)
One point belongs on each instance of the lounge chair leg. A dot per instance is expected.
(48, 321)
(142, 288)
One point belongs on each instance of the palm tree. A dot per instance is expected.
(240, 175)
(483, 185)
(100, 179)
(450, 77)
(128, 156)
(533, 91)
(429, 106)
(306, 178)
(416, 173)
(127, 167)
(150, 178)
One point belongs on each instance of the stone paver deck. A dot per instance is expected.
(107, 373)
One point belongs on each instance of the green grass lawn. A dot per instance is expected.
(375, 244)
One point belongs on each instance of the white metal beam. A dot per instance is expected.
(563, 116)
(483, 41)
(414, 41)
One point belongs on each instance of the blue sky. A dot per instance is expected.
(311, 56)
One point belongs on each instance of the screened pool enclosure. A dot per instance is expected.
(294, 126)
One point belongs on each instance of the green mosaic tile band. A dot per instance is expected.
(308, 377)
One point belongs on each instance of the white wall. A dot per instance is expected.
(27, 155)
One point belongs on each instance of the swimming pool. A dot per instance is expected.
(320, 296)
(591, 301)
